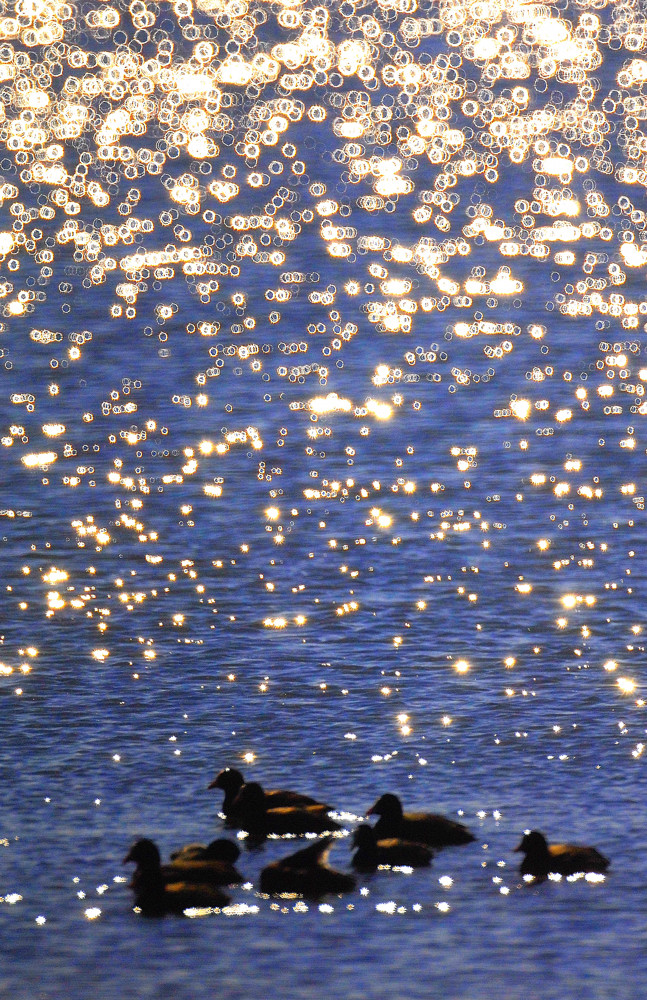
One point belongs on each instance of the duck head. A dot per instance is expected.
(144, 853)
(251, 799)
(387, 805)
(222, 850)
(229, 780)
(533, 844)
(364, 837)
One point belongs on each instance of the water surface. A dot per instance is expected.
(323, 457)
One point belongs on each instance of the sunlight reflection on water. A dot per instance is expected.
(322, 353)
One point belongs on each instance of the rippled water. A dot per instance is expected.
(322, 456)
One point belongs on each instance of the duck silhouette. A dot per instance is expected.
(306, 873)
(230, 781)
(218, 850)
(206, 870)
(155, 897)
(371, 852)
(542, 858)
(418, 827)
(250, 812)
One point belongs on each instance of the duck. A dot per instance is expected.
(154, 896)
(218, 850)
(419, 827)
(305, 873)
(205, 864)
(542, 858)
(250, 812)
(231, 781)
(371, 852)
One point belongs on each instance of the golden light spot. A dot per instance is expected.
(39, 459)
(557, 166)
(521, 408)
(382, 411)
(277, 623)
(331, 403)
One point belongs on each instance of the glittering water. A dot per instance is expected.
(322, 455)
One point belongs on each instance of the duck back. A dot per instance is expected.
(202, 872)
(372, 853)
(155, 897)
(542, 859)
(431, 829)
(305, 873)
(250, 812)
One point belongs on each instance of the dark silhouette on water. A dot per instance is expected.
(306, 873)
(372, 852)
(218, 850)
(419, 827)
(542, 858)
(205, 870)
(155, 897)
(231, 781)
(250, 813)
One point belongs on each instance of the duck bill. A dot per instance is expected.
(371, 811)
(214, 784)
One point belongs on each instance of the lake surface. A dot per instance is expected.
(323, 456)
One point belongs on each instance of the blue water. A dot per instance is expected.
(295, 635)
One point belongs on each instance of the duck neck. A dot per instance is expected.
(387, 826)
(149, 886)
(367, 856)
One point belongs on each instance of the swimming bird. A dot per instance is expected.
(419, 827)
(207, 867)
(542, 858)
(231, 781)
(305, 873)
(218, 850)
(154, 896)
(372, 852)
(249, 812)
